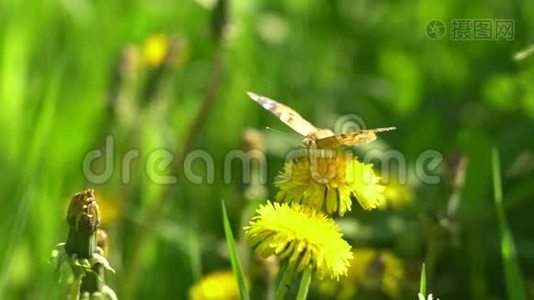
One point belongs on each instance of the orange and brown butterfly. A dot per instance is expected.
(313, 136)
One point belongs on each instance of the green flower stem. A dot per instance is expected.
(284, 283)
(74, 291)
(304, 284)
(92, 281)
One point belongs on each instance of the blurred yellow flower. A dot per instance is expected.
(396, 195)
(300, 236)
(220, 285)
(371, 269)
(109, 208)
(326, 180)
(155, 50)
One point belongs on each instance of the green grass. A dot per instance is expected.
(512, 274)
(234, 256)
(422, 281)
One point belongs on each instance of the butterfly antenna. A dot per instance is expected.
(275, 130)
(253, 96)
(278, 131)
(385, 129)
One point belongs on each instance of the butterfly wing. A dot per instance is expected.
(355, 138)
(285, 113)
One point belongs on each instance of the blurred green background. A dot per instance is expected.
(173, 75)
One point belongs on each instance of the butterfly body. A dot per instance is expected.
(316, 137)
(311, 139)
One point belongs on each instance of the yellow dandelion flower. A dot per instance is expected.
(220, 285)
(370, 269)
(396, 195)
(155, 49)
(300, 236)
(328, 181)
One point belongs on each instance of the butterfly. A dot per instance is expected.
(313, 136)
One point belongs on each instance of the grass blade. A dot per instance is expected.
(422, 281)
(236, 265)
(512, 273)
